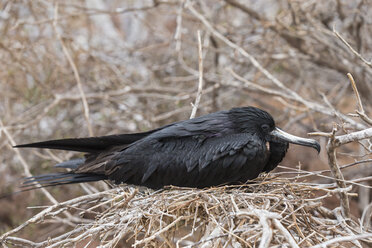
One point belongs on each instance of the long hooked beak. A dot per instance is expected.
(279, 135)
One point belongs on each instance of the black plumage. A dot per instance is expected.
(219, 148)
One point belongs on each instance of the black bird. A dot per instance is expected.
(225, 147)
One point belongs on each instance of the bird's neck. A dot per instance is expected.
(277, 153)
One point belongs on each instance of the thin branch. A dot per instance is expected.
(351, 137)
(351, 48)
(74, 69)
(338, 240)
(148, 239)
(178, 33)
(200, 85)
(48, 210)
(340, 181)
(285, 232)
(361, 111)
(26, 167)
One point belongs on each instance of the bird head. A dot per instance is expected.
(258, 121)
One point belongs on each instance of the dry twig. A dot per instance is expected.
(200, 85)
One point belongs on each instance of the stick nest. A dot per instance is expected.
(267, 212)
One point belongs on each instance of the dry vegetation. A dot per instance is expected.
(80, 68)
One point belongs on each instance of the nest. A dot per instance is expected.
(267, 212)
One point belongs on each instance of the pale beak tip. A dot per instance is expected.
(317, 147)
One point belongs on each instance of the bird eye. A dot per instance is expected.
(265, 127)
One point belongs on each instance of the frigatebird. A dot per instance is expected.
(225, 147)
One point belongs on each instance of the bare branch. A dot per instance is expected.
(332, 161)
(26, 167)
(361, 111)
(368, 63)
(200, 85)
(355, 136)
(74, 69)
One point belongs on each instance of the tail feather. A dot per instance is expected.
(71, 164)
(48, 180)
(60, 179)
(45, 177)
(89, 145)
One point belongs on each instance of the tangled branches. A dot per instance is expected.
(268, 212)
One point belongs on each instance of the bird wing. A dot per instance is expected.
(183, 133)
(183, 161)
(214, 124)
(91, 144)
(102, 143)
